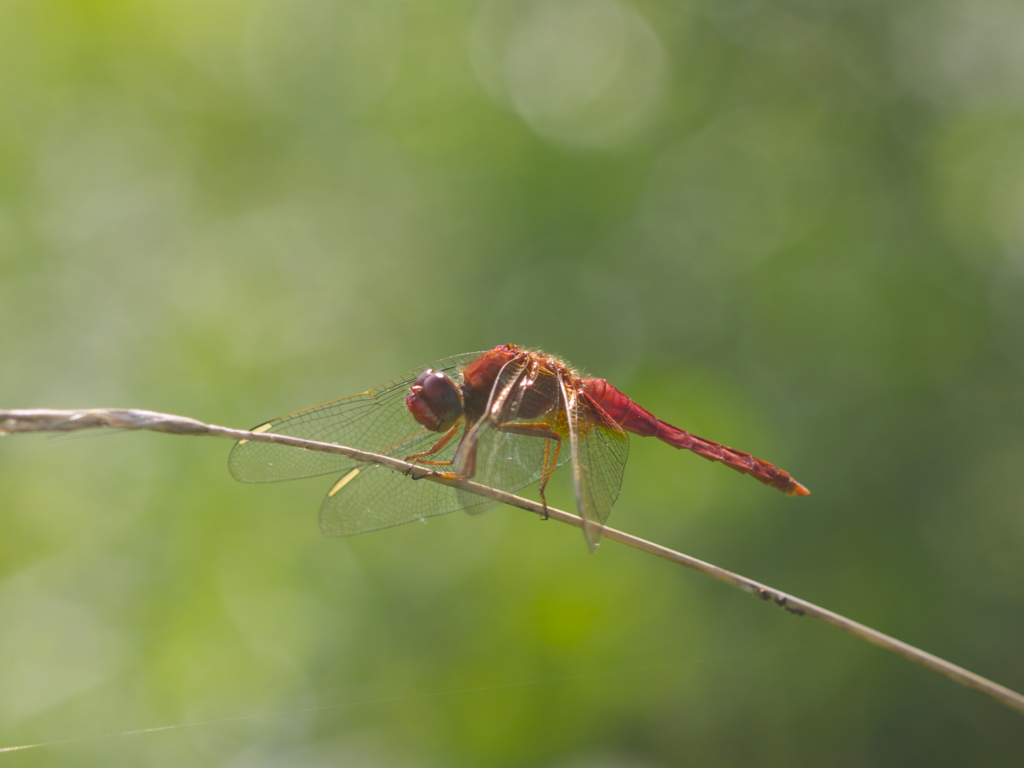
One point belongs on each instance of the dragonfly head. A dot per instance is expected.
(435, 401)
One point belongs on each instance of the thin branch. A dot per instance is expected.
(46, 420)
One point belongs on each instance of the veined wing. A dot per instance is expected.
(376, 420)
(599, 449)
(370, 497)
(513, 443)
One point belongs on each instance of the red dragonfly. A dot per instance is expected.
(505, 418)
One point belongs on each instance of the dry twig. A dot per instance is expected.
(47, 420)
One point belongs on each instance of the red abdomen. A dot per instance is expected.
(632, 418)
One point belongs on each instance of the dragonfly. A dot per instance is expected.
(507, 418)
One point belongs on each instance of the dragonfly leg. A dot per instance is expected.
(464, 457)
(532, 429)
(465, 454)
(538, 429)
(445, 439)
(549, 467)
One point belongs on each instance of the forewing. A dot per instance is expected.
(599, 449)
(376, 421)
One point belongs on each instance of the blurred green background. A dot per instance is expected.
(793, 227)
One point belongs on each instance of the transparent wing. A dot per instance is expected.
(376, 421)
(370, 497)
(517, 438)
(367, 497)
(599, 449)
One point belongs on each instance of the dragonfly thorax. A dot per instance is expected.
(435, 401)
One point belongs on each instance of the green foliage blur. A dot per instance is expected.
(794, 227)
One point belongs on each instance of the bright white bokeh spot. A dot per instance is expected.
(962, 55)
(589, 72)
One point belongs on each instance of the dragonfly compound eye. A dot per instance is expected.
(434, 401)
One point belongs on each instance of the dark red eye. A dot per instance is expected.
(434, 401)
